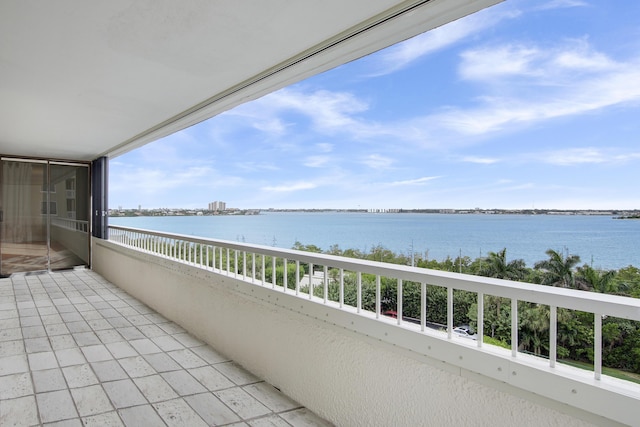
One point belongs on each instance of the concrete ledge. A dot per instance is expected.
(346, 377)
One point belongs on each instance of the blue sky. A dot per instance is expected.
(526, 104)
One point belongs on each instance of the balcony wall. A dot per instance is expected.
(343, 376)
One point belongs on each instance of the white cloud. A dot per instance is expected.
(417, 181)
(328, 111)
(493, 62)
(480, 160)
(376, 161)
(324, 147)
(297, 186)
(539, 65)
(571, 79)
(257, 166)
(587, 155)
(559, 4)
(403, 54)
(317, 161)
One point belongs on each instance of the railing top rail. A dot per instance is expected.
(604, 304)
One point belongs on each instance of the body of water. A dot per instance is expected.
(598, 240)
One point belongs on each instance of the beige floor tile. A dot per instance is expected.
(91, 400)
(242, 403)
(79, 375)
(271, 397)
(109, 370)
(210, 378)
(49, 380)
(15, 385)
(272, 420)
(124, 394)
(167, 343)
(161, 362)
(56, 406)
(108, 419)
(304, 418)
(183, 383)
(178, 413)
(96, 353)
(186, 358)
(70, 356)
(19, 412)
(211, 409)
(13, 364)
(236, 373)
(209, 355)
(44, 360)
(37, 345)
(155, 388)
(144, 415)
(11, 348)
(136, 366)
(121, 349)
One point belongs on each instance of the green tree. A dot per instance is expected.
(496, 265)
(590, 279)
(558, 270)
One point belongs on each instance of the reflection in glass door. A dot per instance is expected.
(44, 212)
(23, 239)
(68, 215)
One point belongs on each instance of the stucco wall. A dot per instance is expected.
(342, 376)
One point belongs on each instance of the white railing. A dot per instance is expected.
(70, 224)
(247, 262)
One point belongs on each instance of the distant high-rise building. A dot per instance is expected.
(217, 206)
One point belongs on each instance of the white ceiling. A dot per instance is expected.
(80, 79)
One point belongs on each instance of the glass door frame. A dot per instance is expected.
(84, 226)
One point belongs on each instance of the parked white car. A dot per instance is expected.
(464, 332)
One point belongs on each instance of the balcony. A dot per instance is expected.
(76, 349)
(354, 366)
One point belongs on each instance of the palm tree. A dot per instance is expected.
(558, 270)
(601, 281)
(496, 265)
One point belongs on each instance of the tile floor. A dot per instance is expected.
(76, 350)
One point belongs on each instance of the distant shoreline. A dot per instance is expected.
(617, 214)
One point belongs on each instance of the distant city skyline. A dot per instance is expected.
(528, 104)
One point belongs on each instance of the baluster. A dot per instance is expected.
(514, 327)
(399, 301)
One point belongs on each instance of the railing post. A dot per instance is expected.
(273, 272)
(285, 275)
(244, 265)
(235, 263)
(449, 312)
(297, 277)
(597, 346)
(423, 306)
(378, 297)
(399, 301)
(341, 287)
(553, 335)
(253, 267)
(514, 327)
(359, 292)
(326, 284)
(480, 323)
(264, 270)
(310, 280)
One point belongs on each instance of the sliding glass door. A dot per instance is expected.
(44, 209)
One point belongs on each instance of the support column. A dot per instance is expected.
(99, 197)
